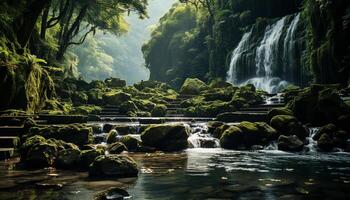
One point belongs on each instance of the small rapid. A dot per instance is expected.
(201, 138)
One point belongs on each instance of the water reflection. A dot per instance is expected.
(199, 174)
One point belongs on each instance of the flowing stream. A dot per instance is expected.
(203, 171)
(274, 59)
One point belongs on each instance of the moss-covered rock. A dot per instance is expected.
(86, 110)
(128, 106)
(79, 98)
(95, 96)
(232, 138)
(193, 86)
(116, 97)
(325, 142)
(166, 137)
(130, 142)
(278, 111)
(75, 133)
(288, 125)
(318, 105)
(159, 110)
(115, 83)
(112, 136)
(113, 166)
(68, 158)
(116, 148)
(290, 143)
(220, 130)
(37, 152)
(88, 156)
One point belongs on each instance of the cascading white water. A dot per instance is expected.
(275, 52)
(243, 44)
(271, 85)
(268, 49)
(312, 144)
(289, 60)
(200, 138)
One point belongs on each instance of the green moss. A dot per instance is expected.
(86, 110)
(159, 110)
(112, 137)
(193, 86)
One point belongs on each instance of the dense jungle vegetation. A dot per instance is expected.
(40, 41)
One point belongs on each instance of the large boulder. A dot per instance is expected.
(193, 86)
(232, 138)
(95, 96)
(289, 125)
(166, 137)
(37, 152)
(318, 105)
(330, 136)
(77, 134)
(113, 166)
(290, 143)
(247, 134)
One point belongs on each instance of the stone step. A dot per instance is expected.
(174, 115)
(275, 105)
(63, 119)
(11, 121)
(242, 116)
(9, 141)
(109, 113)
(11, 130)
(173, 106)
(110, 110)
(157, 120)
(6, 153)
(256, 109)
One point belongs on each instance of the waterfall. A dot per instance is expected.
(266, 53)
(236, 54)
(268, 60)
(289, 57)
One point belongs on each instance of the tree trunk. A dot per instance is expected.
(44, 19)
(25, 24)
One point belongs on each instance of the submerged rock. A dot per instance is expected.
(112, 194)
(166, 137)
(290, 143)
(113, 166)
